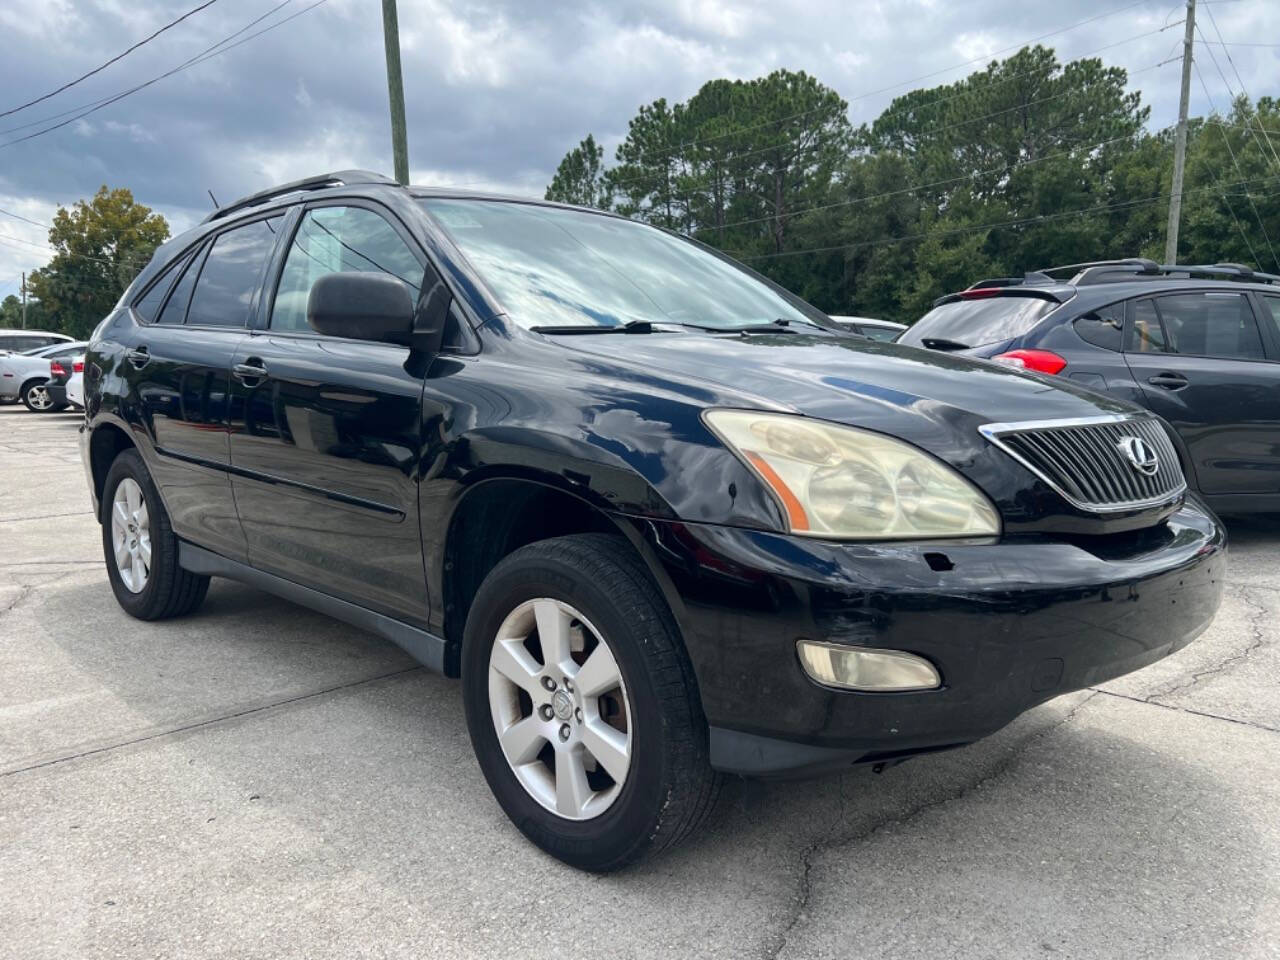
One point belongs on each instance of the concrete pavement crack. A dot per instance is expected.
(47, 516)
(207, 722)
(1188, 710)
(1259, 640)
(799, 912)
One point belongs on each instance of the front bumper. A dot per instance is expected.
(1008, 625)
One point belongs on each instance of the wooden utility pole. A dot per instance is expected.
(1180, 140)
(395, 88)
(24, 299)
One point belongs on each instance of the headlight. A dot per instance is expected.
(845, 483)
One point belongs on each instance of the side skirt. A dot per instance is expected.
(426, 648)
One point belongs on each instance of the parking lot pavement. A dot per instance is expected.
(260, 781)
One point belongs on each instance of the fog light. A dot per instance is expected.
(865, 668)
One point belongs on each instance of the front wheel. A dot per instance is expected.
(582, 705)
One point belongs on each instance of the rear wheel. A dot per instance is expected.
(582, 705)
(141, 550)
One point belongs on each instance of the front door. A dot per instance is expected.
(1204, 364)
(326, 432)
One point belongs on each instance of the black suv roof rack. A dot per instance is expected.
(1140, 268)
(341, 178)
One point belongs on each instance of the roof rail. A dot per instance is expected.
(1140, 268)
(341, 178)
(1031, 276)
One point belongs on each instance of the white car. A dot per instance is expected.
(75, 388)
(13, 340)
(871, 327)
(23, 375)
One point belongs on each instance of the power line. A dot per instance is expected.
(1041, 218)
(1004, 168)
(1236, 163)
(208, 54)
(117, 57)
(34, 223)
(1253, 113)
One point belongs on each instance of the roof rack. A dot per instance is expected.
(341, 178)
(1140, 268)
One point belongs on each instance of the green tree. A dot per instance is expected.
(101, 246)
(580, 177)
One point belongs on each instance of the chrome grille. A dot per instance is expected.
(1084, 460)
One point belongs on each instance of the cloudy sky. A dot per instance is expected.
(496, 91)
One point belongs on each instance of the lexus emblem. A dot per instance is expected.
(1139, 454)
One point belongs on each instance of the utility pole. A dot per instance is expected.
(395, 87)
(24, 299)
(1180, 140)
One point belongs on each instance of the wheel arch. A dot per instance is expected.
(514, 510)
(107, 441)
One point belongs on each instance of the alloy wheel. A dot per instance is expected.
(560, 709)
(131, 535)
(39, 397)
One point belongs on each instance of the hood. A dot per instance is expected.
(859, 382)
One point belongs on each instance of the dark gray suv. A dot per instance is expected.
(1198, 345)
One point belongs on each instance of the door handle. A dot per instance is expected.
(138, 356)
(1169, 381)
(251, 369)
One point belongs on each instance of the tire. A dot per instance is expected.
(166, 589)
(36, 397)
(597, 584)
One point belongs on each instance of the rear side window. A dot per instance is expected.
(1272, 313)
(231, 274)
(1103, 327)
(977, 322)
(149, 305)
(175, 310)
(1199, 325)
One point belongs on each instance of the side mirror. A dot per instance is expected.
(361, 306)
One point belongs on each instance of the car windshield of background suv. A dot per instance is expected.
(556, 267)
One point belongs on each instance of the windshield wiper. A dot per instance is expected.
(772, 326)
(631, 326)
(940, 343)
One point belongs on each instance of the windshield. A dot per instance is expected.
(554, 267)
(976, 323)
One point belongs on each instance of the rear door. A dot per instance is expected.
(1203, 363)
(179, 365)
(326, 433)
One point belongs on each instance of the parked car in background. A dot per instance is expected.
(23, 376)
(75, 387)
(1198, 345)
(870, 327)
(60, 374)
(20, 341)
(662, 520)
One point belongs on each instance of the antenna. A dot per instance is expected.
(213, 198)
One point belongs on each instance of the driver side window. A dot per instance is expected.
(339, 239)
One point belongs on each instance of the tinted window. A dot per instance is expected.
(553, 267)
(175, 310)
(1146, 335)
(149, 305)
(1272, 313)
(975, 323)
(1103, 327)
(231, 273)
(339, 240)
(1210, 325)
(880, 333)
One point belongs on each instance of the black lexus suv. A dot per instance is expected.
(663, 519)
(1197, 345)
